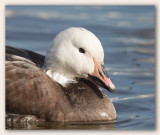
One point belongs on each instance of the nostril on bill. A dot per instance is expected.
(104, 71)
(100, 73)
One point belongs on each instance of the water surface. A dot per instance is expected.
(127, 34)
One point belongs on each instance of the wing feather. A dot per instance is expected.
(28, 89)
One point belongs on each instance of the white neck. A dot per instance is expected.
(60, 78)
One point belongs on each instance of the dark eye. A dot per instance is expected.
(81, 50)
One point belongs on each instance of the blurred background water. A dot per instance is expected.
(127, 34)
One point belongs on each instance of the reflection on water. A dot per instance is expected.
(61, 125)
(127, 34)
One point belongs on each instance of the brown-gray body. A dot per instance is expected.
(29, 91)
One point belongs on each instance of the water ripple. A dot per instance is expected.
(134, 97)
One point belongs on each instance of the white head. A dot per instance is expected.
(74, 53)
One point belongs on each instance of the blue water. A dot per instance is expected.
(127, 34)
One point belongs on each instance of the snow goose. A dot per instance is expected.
(64, 85)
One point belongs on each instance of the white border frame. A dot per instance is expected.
(3, 3)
